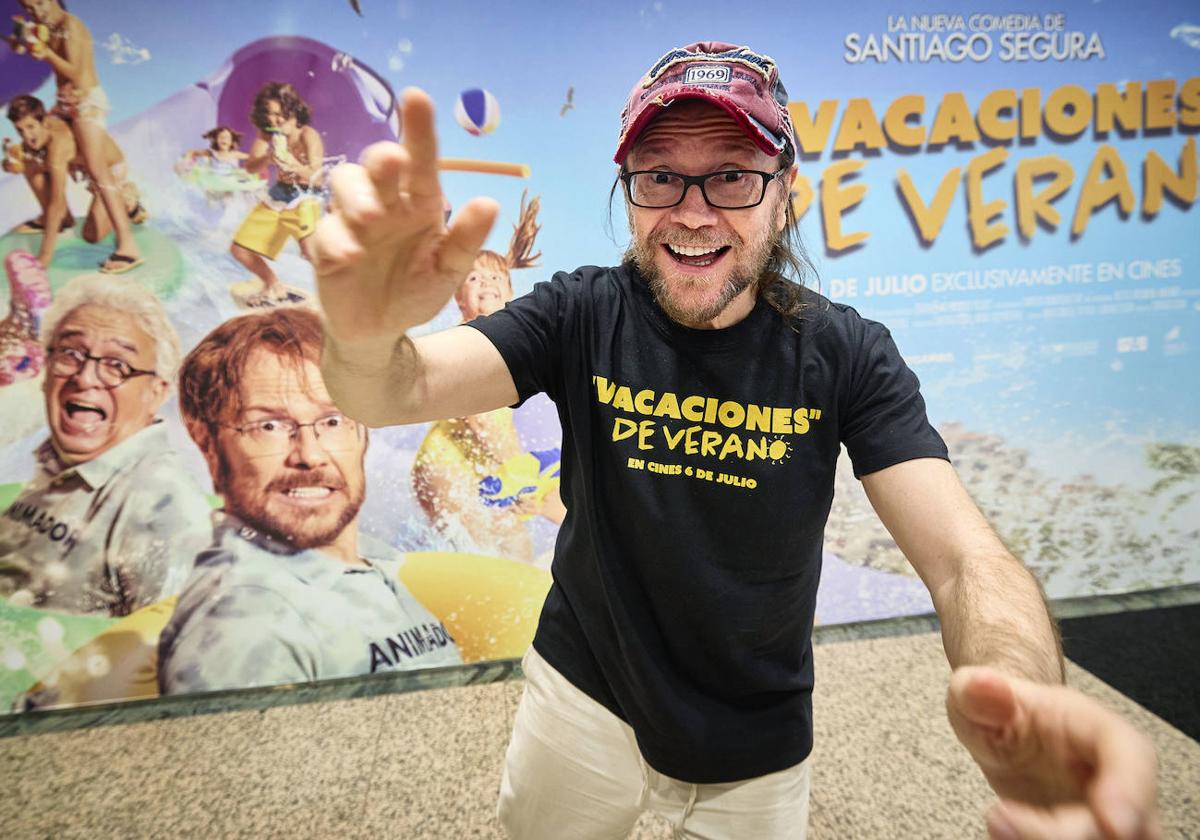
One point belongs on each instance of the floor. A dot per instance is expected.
(427, 764)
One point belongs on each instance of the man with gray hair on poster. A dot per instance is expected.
(112, 520)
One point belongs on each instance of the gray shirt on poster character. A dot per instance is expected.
(107, 536)
(256, 612)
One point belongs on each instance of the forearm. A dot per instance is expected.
(993, 613)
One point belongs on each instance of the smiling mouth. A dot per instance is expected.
(309, 493)
(694, 255)
(82, 412)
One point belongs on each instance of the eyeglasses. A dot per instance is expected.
(275, 436)
(729, 189)
(112, 372)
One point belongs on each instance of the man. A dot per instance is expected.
(290, 591)
(51, 157)
(292, 205)
(83, 105)
(703, 399)
(112, 520)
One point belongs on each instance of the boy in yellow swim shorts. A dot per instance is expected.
(292, 206)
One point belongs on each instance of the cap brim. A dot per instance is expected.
(752, 128)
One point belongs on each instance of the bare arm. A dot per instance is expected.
(386, 262)
(259, 157)
(1063, 765)
(991, 607)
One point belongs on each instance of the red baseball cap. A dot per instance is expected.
(744, 83)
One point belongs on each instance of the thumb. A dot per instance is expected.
(467, 232)
(982, 696)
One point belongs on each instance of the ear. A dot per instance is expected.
(787, 181)
(159, 391)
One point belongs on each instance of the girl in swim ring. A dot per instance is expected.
(223, 153)
(459, 453)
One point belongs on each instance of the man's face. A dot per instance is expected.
(34, 134)
(277, 120)
(694, 138)
(485, 291)
(303, 493)
(86, 417)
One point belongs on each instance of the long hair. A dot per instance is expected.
(235, 137)
(519, 254)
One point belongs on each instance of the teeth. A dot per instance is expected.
(309, 492)
(691, 251)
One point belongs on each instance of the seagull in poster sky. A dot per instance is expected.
(569, 104)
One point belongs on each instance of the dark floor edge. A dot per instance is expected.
(254, 699)
(1061, 608)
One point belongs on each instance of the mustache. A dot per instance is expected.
(692, 238)
(307, 478)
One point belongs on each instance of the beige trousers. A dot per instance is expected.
(574, 772)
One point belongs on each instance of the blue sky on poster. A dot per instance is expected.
(528, 54)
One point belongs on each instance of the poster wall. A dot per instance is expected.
(1012, 194)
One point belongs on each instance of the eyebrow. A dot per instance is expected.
(120, 342)
(326, 408)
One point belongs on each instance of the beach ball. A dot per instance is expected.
(477, 111)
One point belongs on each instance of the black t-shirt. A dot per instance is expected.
(698, 472)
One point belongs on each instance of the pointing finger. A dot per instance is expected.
(1014, 821)
(420, 140)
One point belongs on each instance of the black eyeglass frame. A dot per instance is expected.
(698, 180)
(126, 370)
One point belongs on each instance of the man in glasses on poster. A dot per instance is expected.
(290, 591)
(112, 520)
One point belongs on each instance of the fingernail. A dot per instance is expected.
(1000, 826)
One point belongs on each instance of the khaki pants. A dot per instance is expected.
(574, 771)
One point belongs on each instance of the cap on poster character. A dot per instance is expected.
(744, 83)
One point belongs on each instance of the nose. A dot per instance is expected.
(88, 375)
(694, 211)
(306, 449)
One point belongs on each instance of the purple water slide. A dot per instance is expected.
(352, 106)
(19, 74)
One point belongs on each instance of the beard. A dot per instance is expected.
(753, 259)
(302, 531)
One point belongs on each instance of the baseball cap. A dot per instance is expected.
(744, 83)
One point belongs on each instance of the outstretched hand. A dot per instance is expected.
(1064, 766)
(384, 258)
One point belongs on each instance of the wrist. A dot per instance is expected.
(362, 356)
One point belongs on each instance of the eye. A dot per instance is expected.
(731, 177)
(117, 366)
(662, 178)
(333, 421)
(267, 426)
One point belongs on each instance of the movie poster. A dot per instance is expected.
(183, 507)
